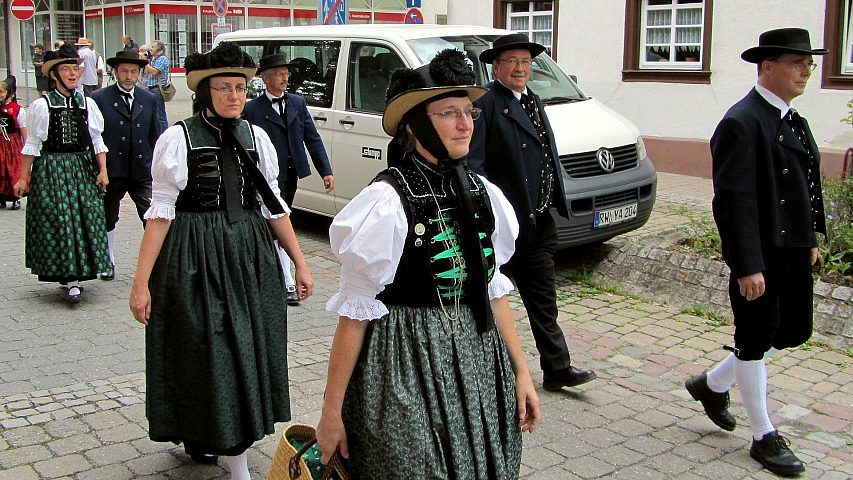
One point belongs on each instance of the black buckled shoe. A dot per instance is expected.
(110, 274)
(772, 453)
(74, 294)
(567, 377)
(292, 297)
(199, 457)
(716, 404)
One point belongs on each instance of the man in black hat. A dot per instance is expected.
(768, 207)
(284, 116)
(513, 146)
(132, 112)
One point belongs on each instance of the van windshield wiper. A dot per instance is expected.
(556, 100)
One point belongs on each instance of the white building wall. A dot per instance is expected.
(591, 44)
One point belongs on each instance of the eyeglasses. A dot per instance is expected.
(524, 62)
(226, 90)
(455, 115)
(801, 65)
(65, 69)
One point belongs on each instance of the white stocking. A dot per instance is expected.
(752, 380)
(111, 241)
(722, 377)
(285, 266)
(239, 467)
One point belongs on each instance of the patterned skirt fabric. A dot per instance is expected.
(429, 399)
(66, 236)
(216, 341)
(10, 165)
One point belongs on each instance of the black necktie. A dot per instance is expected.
(128, 100)
(280, 102)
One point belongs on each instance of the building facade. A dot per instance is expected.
(673, 67)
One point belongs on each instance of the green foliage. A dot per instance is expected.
(712, 318)
(836, 251)
(701, 233)
(849, 118)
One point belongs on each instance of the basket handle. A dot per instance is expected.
(334, 464)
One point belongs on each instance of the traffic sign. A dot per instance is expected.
(23, 9)
(414, 16)
(332, 12)
(220, 7)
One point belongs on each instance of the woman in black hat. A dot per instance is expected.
(427, 378)
(66, 240)
(208, 283)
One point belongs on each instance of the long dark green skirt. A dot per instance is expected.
(216, 342)
(429, 399)
(65, 238)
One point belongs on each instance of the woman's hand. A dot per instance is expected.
(140, 302)
(102, 180)
(331, 437)
(304, 283)
(20, 187)
(529, 414)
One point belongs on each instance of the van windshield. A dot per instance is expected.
(546, 78)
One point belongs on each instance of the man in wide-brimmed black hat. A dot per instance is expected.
(132, 113)
(768, 207)
(284, 116)
(513, 145)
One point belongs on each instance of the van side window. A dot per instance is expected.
(315, 64)
(369, 71)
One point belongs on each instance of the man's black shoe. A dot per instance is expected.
(110, 274)
(773, 453)
(716, 404)
(199, 457)
(567, 377)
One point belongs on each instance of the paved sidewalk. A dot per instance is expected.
(72, 383)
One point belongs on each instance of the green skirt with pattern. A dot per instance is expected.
(216, 341)
(431, 399)
(66, 237)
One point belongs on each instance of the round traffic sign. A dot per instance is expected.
(220, 7)
(414, 16)
(23, 9)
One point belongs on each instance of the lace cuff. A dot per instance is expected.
(160, 211)
(357, 307)
(31, 149)
(499, 286)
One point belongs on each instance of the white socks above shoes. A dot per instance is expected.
(752, 381)
(239, 467)
(722, 377)
(285, 265)
(111, 240)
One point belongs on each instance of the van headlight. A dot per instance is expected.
(641, 149)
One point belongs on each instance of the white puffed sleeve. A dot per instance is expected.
(96, 126)
(168, 173)
(268, 165)
(367, 237)
(37, 125)
(22, 117)
(503, 238)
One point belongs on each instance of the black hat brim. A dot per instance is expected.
(114, 62)
(400, 105)
(290, 66)
(489, 55)
(760, 53)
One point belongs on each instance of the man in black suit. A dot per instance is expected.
(285, 118)
(768, 207)
(513, 146)
(131, 114)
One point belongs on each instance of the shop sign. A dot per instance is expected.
(23, 9)
(208, 10)
(94, 13)
(134, 9)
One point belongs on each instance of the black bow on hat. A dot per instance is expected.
(780, 41)
(512, 41)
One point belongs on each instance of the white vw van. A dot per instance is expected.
(343, 72)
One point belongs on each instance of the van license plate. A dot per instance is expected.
(611, 216)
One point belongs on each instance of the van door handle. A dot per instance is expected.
(320, 118)
(346, 122)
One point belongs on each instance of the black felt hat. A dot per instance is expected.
(127, 56)
(512, 41)
(273, 61)
(225, 58)
(65, 54)
(781, 41)
(448, 72)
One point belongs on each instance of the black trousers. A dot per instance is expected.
(532, 269)
(288, 185)
(140, 193)
(783, 316)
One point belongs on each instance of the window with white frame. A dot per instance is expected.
(536, 19)
(671, 34)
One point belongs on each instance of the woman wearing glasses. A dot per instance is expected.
(208, 284)
(66, 240)
(427, 378)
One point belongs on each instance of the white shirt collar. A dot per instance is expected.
(271, 97)
(774, 100)
(125, 91)
(515, 94)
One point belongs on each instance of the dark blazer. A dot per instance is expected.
(130, 138)
(288, 138)
(505, 147)
(761, 195)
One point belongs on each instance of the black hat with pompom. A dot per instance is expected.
(226, 58)
(448, 72)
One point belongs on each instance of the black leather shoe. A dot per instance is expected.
(199, 457)
(292, 297)
(567, 377)
(773, 453)
(110, 274)
(716, 404)
(74, 294)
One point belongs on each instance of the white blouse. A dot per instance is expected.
(368, 235)
(169, 172)
(38, 124)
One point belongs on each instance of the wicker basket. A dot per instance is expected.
(288, 464)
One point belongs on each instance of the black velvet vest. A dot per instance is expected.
(204, 191)
(432, 268)
(64, 134)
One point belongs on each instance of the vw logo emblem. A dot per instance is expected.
(605, 160)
